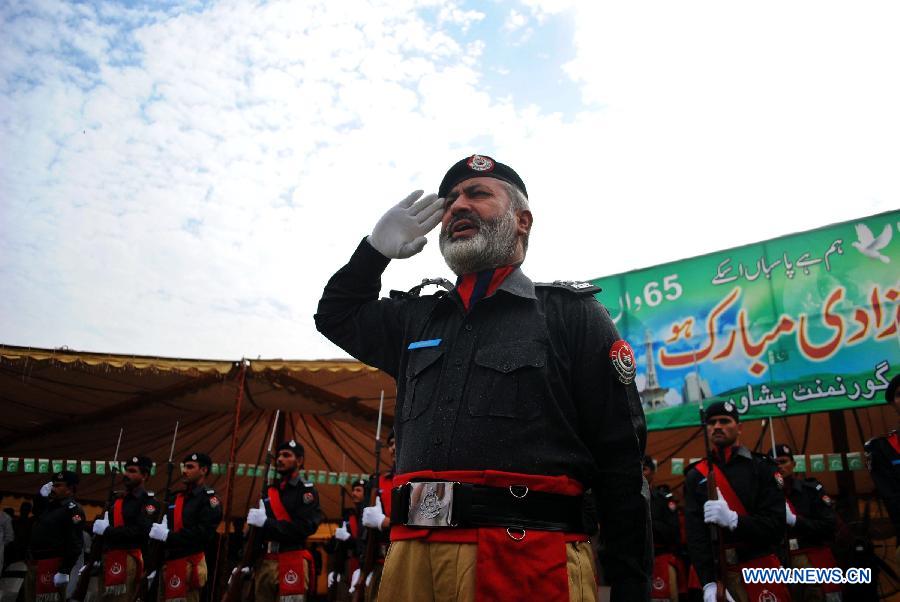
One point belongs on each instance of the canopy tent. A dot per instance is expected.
(66, 404)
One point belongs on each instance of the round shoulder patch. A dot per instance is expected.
(214, 502)
(479, 163)
(309, 497)
(76, 518)
(779, 480)
(150, 509)
(622, 358)
(827, 499)
(672, 506)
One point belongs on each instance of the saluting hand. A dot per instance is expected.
(400, 233)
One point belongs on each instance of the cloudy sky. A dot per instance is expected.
(181, 178)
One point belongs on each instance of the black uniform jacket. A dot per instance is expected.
(666, 529)
(201, 514)
(816, 519)
(301, 501)
(759, 532)
(57, 531)
(884, 465)
(140, 509)
(523, 383)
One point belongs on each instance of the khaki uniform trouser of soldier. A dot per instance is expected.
(131, 578)
(30, 585)
(809, 593)
(193, 595)
(673, 584)
(265, 586)
(416, 571)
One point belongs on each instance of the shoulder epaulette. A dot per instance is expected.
(211, 492)
(765, 458)
(308, 483)
(151, 494)
(573, 286)
(72, 505)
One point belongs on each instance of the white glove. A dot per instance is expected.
(101, 524)
(790, 516)
(160, 531)
(718, 512)
(369, 579)
(373, 516)
(400, 233)
(709, 593)
(354, 581)
(60, 579)
(151, 577)
(257, 516)
(341, 533)
(46, 488)
(330, 579)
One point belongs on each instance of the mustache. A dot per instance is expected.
(458, 217)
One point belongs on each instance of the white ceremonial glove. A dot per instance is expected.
(789, 516)
(160, 531)
(354, 581)
(373, 516)
(341, 533)
(257, 516)
(330, 579)
(60, 579)
(718, 512)
(369, 580)
(46, 488)
(101, 524)
(400, 233)
(151, 576)
(709, 593)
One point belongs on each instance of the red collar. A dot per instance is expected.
(472, 288)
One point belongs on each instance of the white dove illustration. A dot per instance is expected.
(870, 246)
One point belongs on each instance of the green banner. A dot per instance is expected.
(799, 324)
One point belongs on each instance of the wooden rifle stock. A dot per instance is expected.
(715, 531)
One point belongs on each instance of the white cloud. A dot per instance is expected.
(515, 21)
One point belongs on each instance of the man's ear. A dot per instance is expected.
(524, 219)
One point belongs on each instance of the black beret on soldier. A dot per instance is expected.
(67, 476)
(143, 463)
(722, 408)
(479, 166)
(782, 449)
(291, 446)
(201, 459)
(357, 483)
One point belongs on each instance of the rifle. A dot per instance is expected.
(84, 575)
(146, 589)
(715, 531)
(251, 546)
(371, 534)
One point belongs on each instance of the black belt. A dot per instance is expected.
(516, 507)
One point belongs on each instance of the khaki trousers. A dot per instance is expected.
(416, 571)
(193, 595)
(130, 582)
(265, 586)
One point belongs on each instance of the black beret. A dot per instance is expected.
(201, 459)
(479, 166)
(649, 462)
(722, 408)
(782, 449)
(357, 483)
(142, 462)
(292, 446)
(67, 476)
(891, 389)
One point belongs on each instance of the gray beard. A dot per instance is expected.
(494, 244)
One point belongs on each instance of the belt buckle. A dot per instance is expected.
(272, 547)
(793, 544)
(431, 504)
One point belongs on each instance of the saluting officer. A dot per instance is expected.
(187, 529)
(125, 532)
(811, 522)
(56, 539)
(287, 517)
(749, 510)
(883, 460)
(513, 398)
(666, 536)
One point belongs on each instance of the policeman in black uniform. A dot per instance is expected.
(883, 460)
(811, 522)
(346, 546)
(56, 538)
(287, 517)
(188, 528)
(504, 379)
(666, 536)
(124, 529)
(750, 511)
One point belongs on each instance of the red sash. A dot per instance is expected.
(894, 440)
(43, 583)
(178, 515)
(661, 586)
(731, 498)
(770, 592)
(353, 526)
(292, 574)
(177, 583)
(385, 484)
(277, 506)
(539, 558)
(115, 570)
(118, 518)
